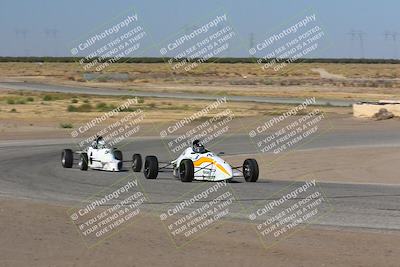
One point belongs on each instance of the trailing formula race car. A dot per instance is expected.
(99, 156)
(197, 163)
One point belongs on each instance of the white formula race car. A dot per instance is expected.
(99, 156)
(197, 163)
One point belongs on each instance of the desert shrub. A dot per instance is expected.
(268, 82)
(128, 109)
(112, 106)
(66, 125)
(105, 107)
(101, 105)
(71, 108)
(102, 79)
(47, 98)
(82, 108)
(140, 100)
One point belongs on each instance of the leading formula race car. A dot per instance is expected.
(99, 156)
(197, 163)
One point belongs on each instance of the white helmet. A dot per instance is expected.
(198, 147)
(101, 143)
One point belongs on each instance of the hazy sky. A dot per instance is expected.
(50, 27)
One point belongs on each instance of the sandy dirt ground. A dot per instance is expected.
(42, 128)
(343, 165)
(37, 234)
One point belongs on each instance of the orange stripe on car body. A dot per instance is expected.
(200, 161)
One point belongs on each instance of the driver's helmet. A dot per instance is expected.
(100, 142)
(198, 147)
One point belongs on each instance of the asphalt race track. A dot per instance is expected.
(115, 92)
(32, 170)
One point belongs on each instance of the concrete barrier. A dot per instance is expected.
(369, 109)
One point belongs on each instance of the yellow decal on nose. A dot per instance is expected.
(200, 161)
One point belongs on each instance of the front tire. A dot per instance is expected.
(67, 158)
(186, 171)
(150, 167)
(137, 162)
(118, 156)
(84, 162)
(250, 170)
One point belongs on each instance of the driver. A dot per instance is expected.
(99, 142)
(198, 147)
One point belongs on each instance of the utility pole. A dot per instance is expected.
(358, 35)
(392, 36)
(251, 41)
(52, 34)
(22, 33)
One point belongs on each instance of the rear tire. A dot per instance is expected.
(186, 171)
(150, 167)
(250, 170)
(67, 158)
(137, 162)
(84, 162)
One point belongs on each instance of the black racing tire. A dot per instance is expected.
(186, 171)
(118, 156)
(137, 162)
(150, 170)
(250, 170)
(67, 158)
(84, 162)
